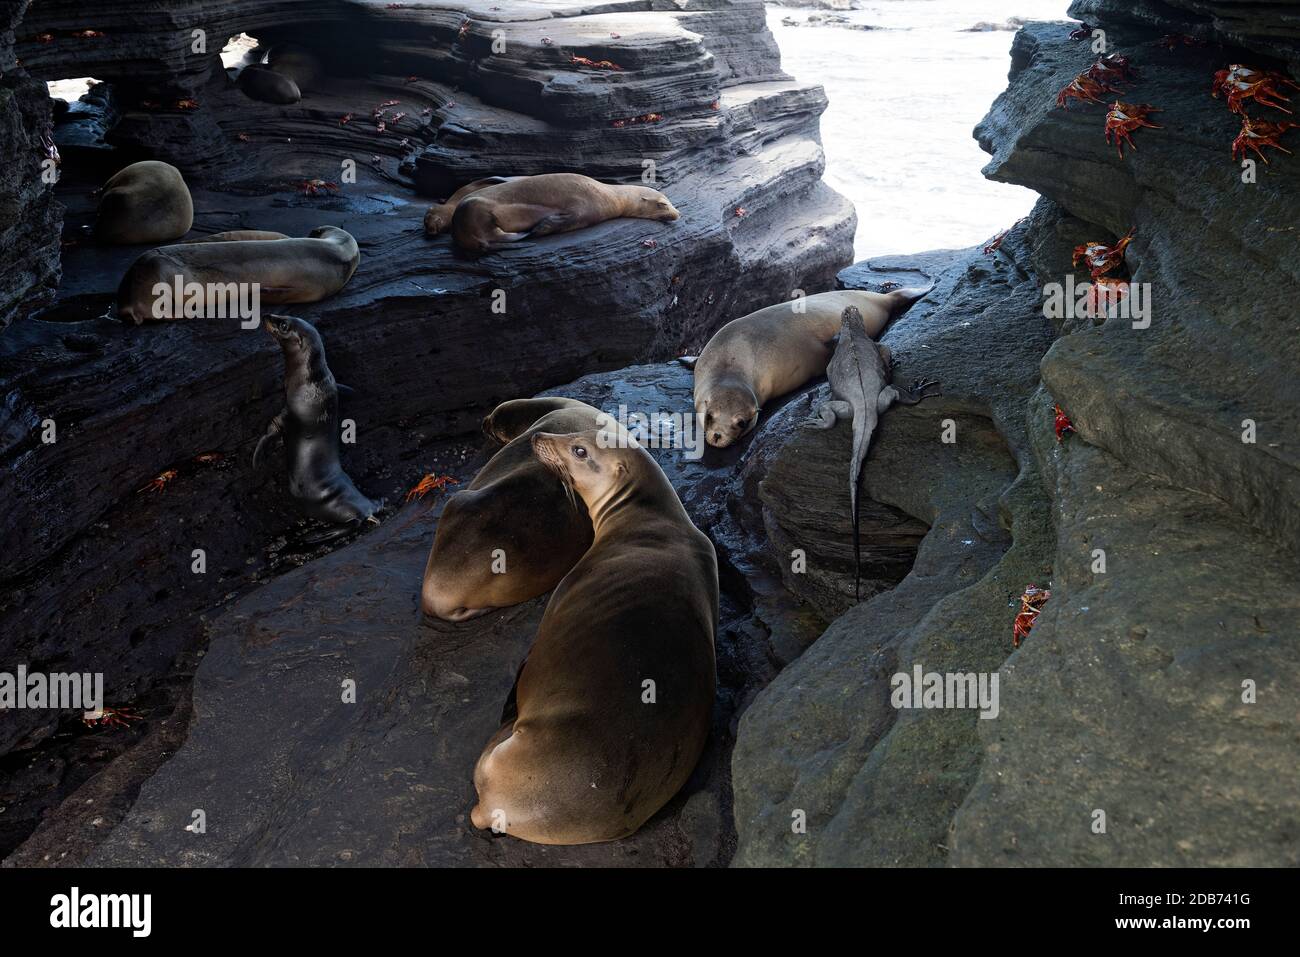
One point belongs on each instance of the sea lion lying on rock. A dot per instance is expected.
(612, 706)
(309, 427)
(515, 530)
(146, 202)
(286, 270)
(491, 217)
(437, 218)
(262, 83)
(859, 374)
(776, 350)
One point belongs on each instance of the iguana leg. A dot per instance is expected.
(272, 431)
(830, 412)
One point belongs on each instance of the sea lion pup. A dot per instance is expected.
(438, 217)
(286, 270)
(515, 530)
(509, 419)
(613, 704)
(146, 202)
(258, 82)
(551, 203)
(859, 374)
(309, 427)
(776, 350)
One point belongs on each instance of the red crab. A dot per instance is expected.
(464, 29)
(112, 718)
(1241, 83)
(1083, 33)
(429, 484)
(314, 187)
(1062, 424)
(1031, 603)
(243, 137)
(649, 243)
(1114, 67)
(88, 34)
(187, 104)
(1171, 41)
(1101, 258)
(741, 212)
(208, 458)
(45, 38)
(1104, 294)
(1125, 118)
(1085, 89)
(158, 482)
(1258, 133)
(345, 119)
(997, 241)
(594, 64)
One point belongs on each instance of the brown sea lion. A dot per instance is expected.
(309, 427)
(146, 202)
(776, 350)
(551, 203)
(286, 270)
(297, 63)
(262, 83)
(438, 217)
(612, 707)
(515, 530)
(239, 235)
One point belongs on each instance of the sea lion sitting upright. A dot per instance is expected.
(515, 530)
(613, 704)
(146, 202)
(262, 83)
(286, 270)
(309, 427)
(859, 374)
(551, 203)
(438, 217)
(776, 350)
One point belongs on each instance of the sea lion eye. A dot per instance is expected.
(708, 418)
(742, 423)
(579, 452)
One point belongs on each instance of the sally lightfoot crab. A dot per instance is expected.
(315, 187)
(1256, 134)
(1126, 118)
(1240, 83)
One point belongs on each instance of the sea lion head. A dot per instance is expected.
(594, 463)
(729, 412)
(647, 203)
(294, 335)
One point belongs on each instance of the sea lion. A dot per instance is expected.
(612, 706)
(509, 419)
(297, 63)
(776, 350)
(262, 83)
(309, 427)
(287, 270)
(239, 235)
(438, 217)
(551, 203)
(146, 202)
(859, 374)
(515, 530)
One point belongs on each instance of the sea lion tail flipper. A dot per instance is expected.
(273, 430)
(688, 361)
(904, 298)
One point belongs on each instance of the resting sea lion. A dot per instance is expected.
(515, 505)
(438, 218)
(613, 704)
(261, 83)
(859, 374)
(297, 63)
(146, 202)
(287, 270)
(309, 427)
(239, 235)
(776, 350)
(550, 203)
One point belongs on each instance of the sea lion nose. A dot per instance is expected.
(717, 436)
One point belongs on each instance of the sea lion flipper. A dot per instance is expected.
(560, 221)
(688, 361)
(273, 430)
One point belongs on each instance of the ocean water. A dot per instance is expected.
(903, 102)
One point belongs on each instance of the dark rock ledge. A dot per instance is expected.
(1126, 697)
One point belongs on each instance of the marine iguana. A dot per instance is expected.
(859, 374)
